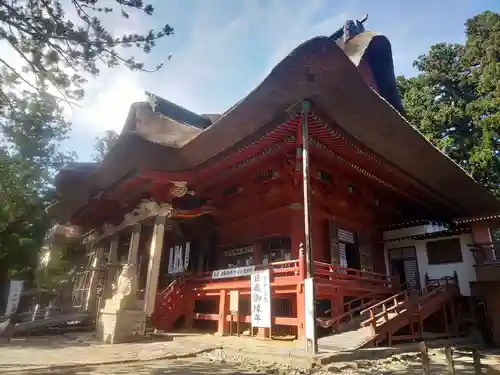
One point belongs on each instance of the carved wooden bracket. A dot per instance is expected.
(143, 211)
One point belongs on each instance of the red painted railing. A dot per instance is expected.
(328, 276)
(169, 304)
(348, 313)
(386, 309)
(278, 270)
(402, 309)
(286, 280)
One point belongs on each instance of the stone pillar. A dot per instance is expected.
(134, 244)
(111, 272)
(155, 253)
(91, 301)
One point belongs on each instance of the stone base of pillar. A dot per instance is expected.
(116, 327)
(123, 318)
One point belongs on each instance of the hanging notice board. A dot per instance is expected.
(261, 299)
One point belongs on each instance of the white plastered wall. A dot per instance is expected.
(465, 269)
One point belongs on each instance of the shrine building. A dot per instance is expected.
(202, 207)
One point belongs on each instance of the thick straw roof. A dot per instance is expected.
(319, 70)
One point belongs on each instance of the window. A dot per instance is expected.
(276, 249)
(444, 251)
(495, 238)
(239, 257)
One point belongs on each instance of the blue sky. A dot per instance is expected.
(223, 48)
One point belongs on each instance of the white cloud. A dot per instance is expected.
(221, 51)
(211, 54)
(215, 50)
(107, 102)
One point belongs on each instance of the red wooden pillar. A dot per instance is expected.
(301, 306)
(223, 325)
(297, 250)
(297, 231)
(301, 312)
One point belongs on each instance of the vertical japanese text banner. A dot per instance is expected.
(261, 299)
(15, 290)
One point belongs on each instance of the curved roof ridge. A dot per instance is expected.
(318, 70)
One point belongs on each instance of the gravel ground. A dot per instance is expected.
(228, 363)
(401, 364)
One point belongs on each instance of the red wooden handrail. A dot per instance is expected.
(396, 305)
(166, 298)
(328, 322)
(346, 270)
(383, 302)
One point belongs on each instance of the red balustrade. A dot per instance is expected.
(334, 276)
(287, 278)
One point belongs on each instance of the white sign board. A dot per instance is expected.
(261, 299)
(233, 272)
(15, 290)
(310, 322)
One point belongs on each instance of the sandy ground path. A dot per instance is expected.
(204, 355)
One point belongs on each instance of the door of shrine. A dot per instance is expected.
(403, 264)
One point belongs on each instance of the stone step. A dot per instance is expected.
(349, 340)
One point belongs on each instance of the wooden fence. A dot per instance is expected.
(450, 363)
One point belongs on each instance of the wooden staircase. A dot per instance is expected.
(382, 320)
(170, 305)
(347, 331)
(349, 316)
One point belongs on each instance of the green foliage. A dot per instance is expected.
(65, 261)
(57, 50)
(31, 132)
(455, 100)
(47, 55)
(104, 144)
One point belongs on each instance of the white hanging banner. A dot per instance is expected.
(343, 255)
(15, 290)
(178, 260)
(261, 299)
(187, 250)
(171, 261)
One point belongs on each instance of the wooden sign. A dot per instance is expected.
(233, 272)
(234, 301)
(261, 299)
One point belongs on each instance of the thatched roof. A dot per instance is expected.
(321, 71)
(177, 113)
